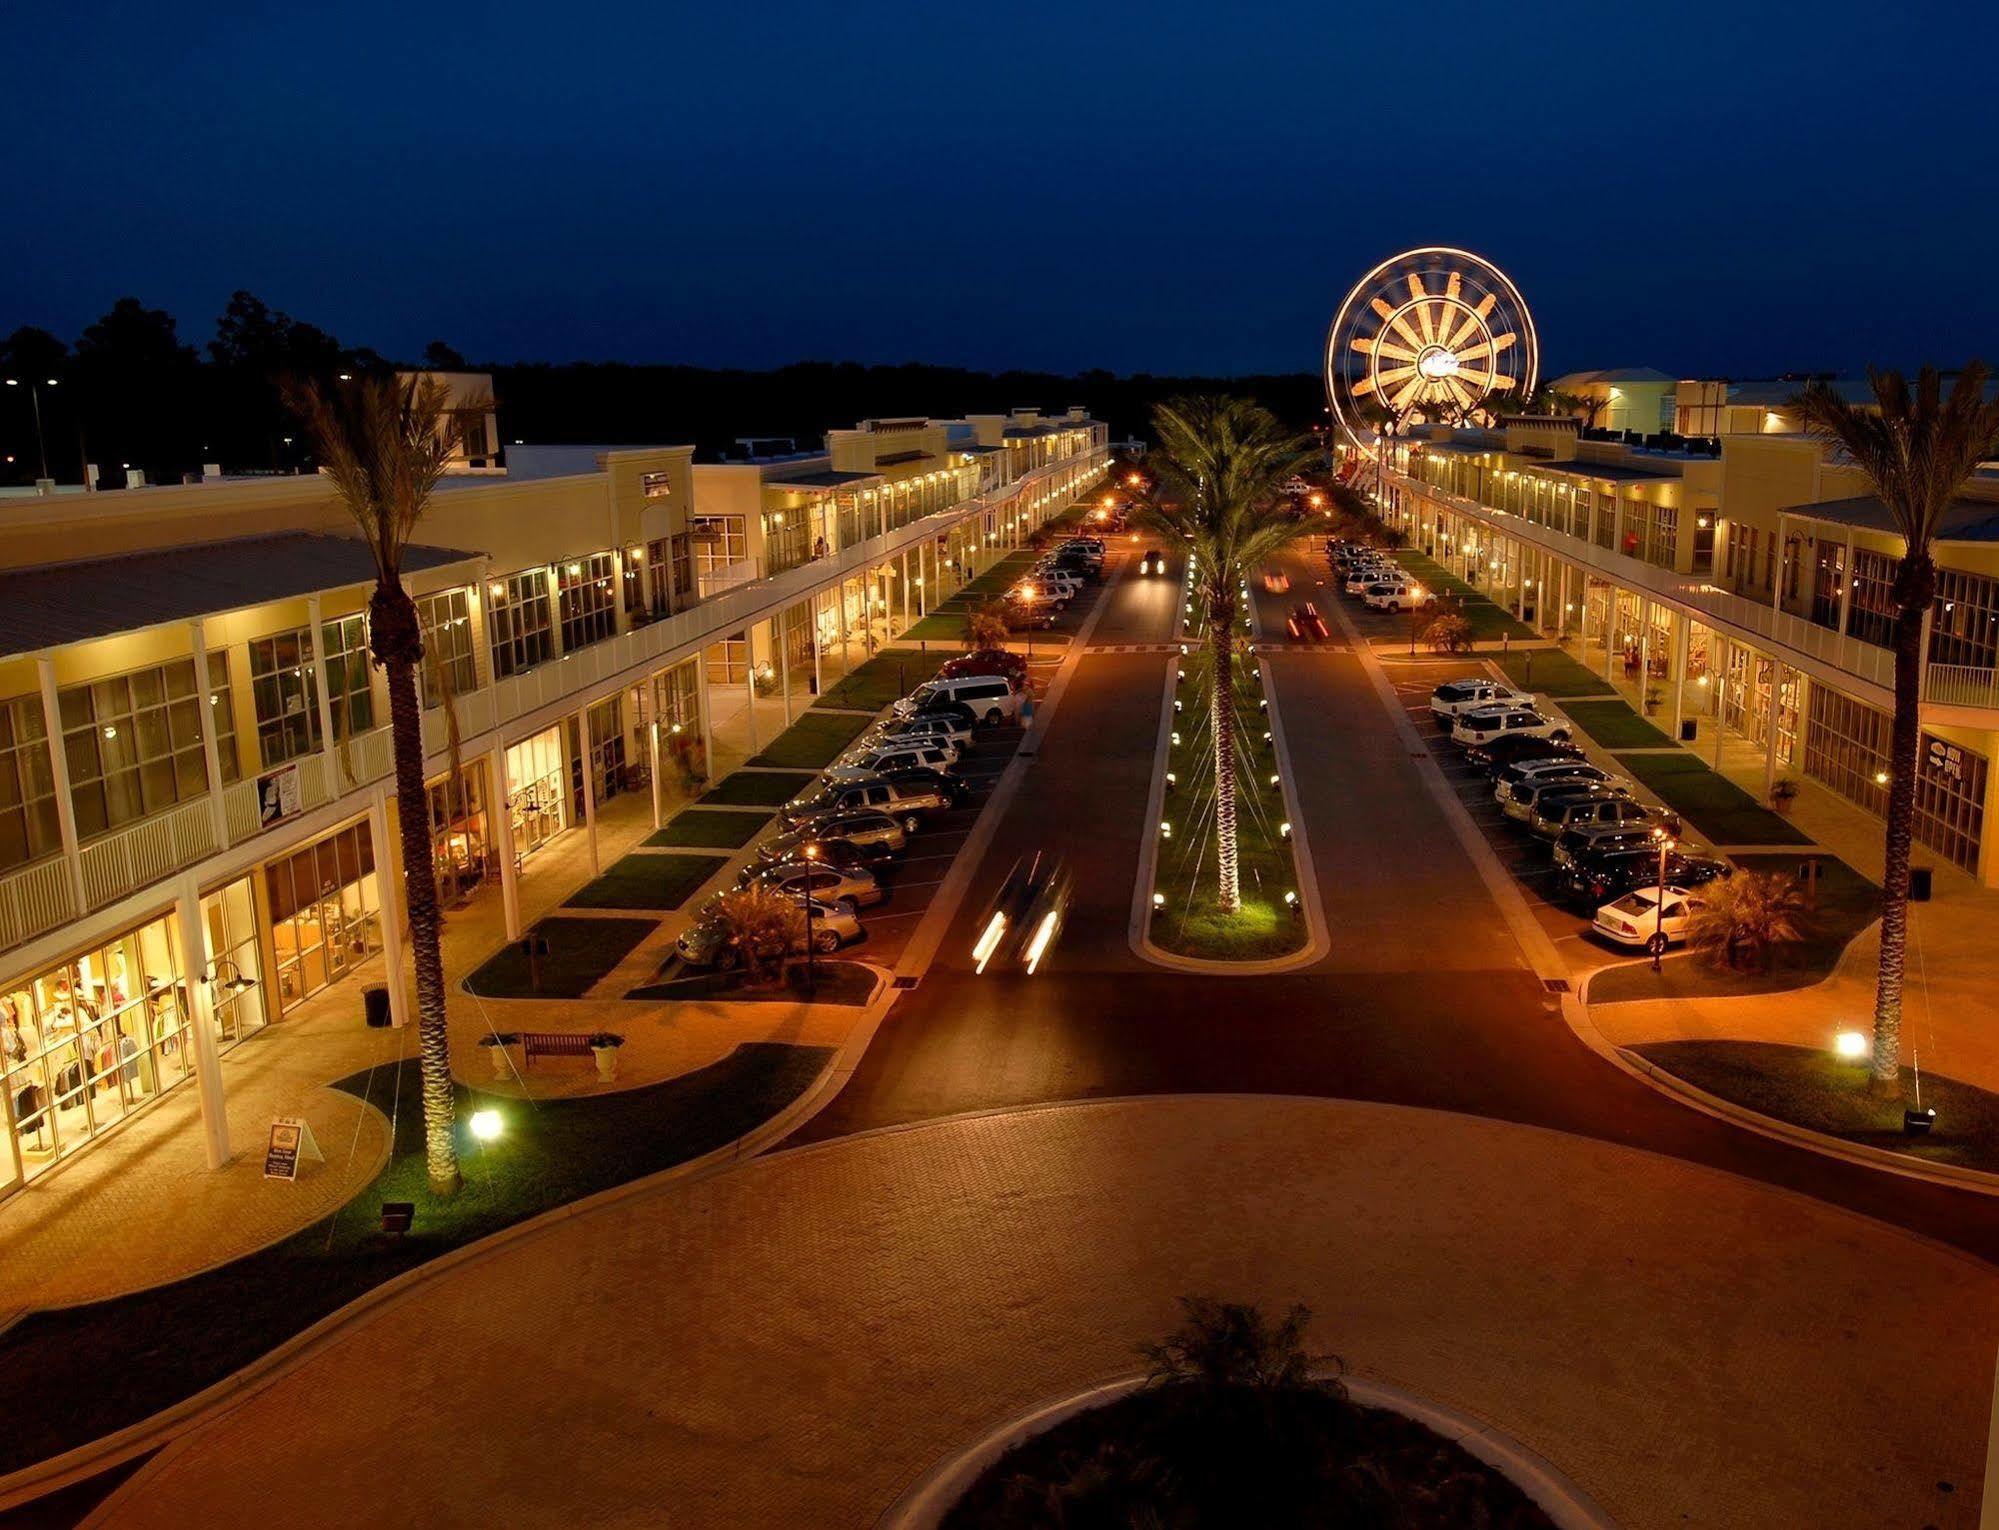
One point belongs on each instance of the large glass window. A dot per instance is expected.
(458, 831)
(1871, 607)
(1964, 626)
(721, 552)
(29, 826)
(521, 616)
(1847, 747)
(133, 742)
(90, 1039)
(235, 961)
(587, 600)
(325, 912)
(284, 683)
(449, 667)
(538, 794)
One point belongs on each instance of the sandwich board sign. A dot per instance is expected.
(291, 1143)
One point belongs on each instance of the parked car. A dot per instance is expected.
(908, 802)
(992, 698)
(870, 835)
(1596, 877)
(1518, 799)
(873, 760)
(1505, 751)
(1395, 595)
(1026, 613)
(1489, 723)
(828, 852)
(1595, 839)
(830, 884)
(1592, 807)
(1305, 622)
(707, 943)
(1454, 697)
(1643, 919)
(1085, 567)
(988, 661)
(1152, 561)
(1059, 584)
(1513, 772)
(959, 730)
(1361, 576)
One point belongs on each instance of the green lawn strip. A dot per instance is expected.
(1846, 904)
(758, 788)
(812, 741)
(647, 881)
(711, 828)
(580, 952)
(941, 626)
(1614, 725)
(166, 1344)
(1190, 923)
(1551, 672)
(1813, 1089)
(892, 673)
(1721, 810)
(843, 983)
(1487, 620)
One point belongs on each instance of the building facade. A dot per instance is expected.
(1739, 583)
(195, 793)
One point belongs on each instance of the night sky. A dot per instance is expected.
(1162, 187)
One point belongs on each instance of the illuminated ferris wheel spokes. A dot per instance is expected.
(1433, 334)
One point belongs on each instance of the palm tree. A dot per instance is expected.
(1916, 450)
(1226, 461)
(1741, 921)
(383, 444)
(986, 627)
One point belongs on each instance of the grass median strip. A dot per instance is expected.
(647, 881)
(1823, 1093)
(168, 1343)
(843, 983)
(890, 674)
(758, 788)
(709, 829)
(580, 953)
(1487, 619)
(1550, 672)
(1614, 725)
(812, 741)
(1721, 810)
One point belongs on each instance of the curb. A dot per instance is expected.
(932, 1496)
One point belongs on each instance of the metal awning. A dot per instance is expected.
(1967, 520)
(52, 604)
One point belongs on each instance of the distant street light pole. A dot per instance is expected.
(1659, 908)
(811, 970)
(35, 396)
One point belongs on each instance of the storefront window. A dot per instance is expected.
(587, 601)
(91, 1039)
(522, 620)
(538, 799)
(449, 668)
(29, 827)
(133, 742)
(458, 831)
(325, 912)
(285, 684)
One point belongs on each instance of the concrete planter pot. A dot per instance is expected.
(501, 1056)
(607, 1063)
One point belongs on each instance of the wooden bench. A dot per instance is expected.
(552, 1044)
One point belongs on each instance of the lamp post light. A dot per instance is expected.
(35, 400)
(1659, 908)
(811, 968)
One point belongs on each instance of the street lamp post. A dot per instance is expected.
(35, 399)
(811, 969)
(1659, 908)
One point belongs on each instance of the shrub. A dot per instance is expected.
(1448, 634)
(764, 924)
(986, 626)
(1746, 918)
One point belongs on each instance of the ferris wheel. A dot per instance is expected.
(1434, 334)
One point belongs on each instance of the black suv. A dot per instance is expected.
(1595, 877)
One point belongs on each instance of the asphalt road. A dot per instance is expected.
(1424, 999)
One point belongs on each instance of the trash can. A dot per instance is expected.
(1688, 729)
(375, 1003)
(1919, 884)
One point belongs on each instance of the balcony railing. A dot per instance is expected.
(42, 897)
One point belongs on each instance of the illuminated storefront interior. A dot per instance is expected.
(326, 912)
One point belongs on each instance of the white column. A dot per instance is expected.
(388, 863)
(326, 740)
(903, 578)
(818, 642)
(501, 791)
(211, 755)
(652, 760)
(589, 790)
(1770, 720)
(750, 684)
(784, 664)
(1682, 639)
(1846, 579)
(45, 672)
(201, 1025)
(706, 717)
(1721, 672)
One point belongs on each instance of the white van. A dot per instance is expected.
(991, 697)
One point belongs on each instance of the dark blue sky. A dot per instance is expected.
(1165, 187)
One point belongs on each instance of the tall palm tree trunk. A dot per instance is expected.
(398, 643)
(1914, 588)
(1221, 693)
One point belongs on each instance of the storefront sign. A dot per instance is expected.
(1946, 759)
(278, 796)
(291, 1144)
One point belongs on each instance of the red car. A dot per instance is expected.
(1306, 622)
(988, 661)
